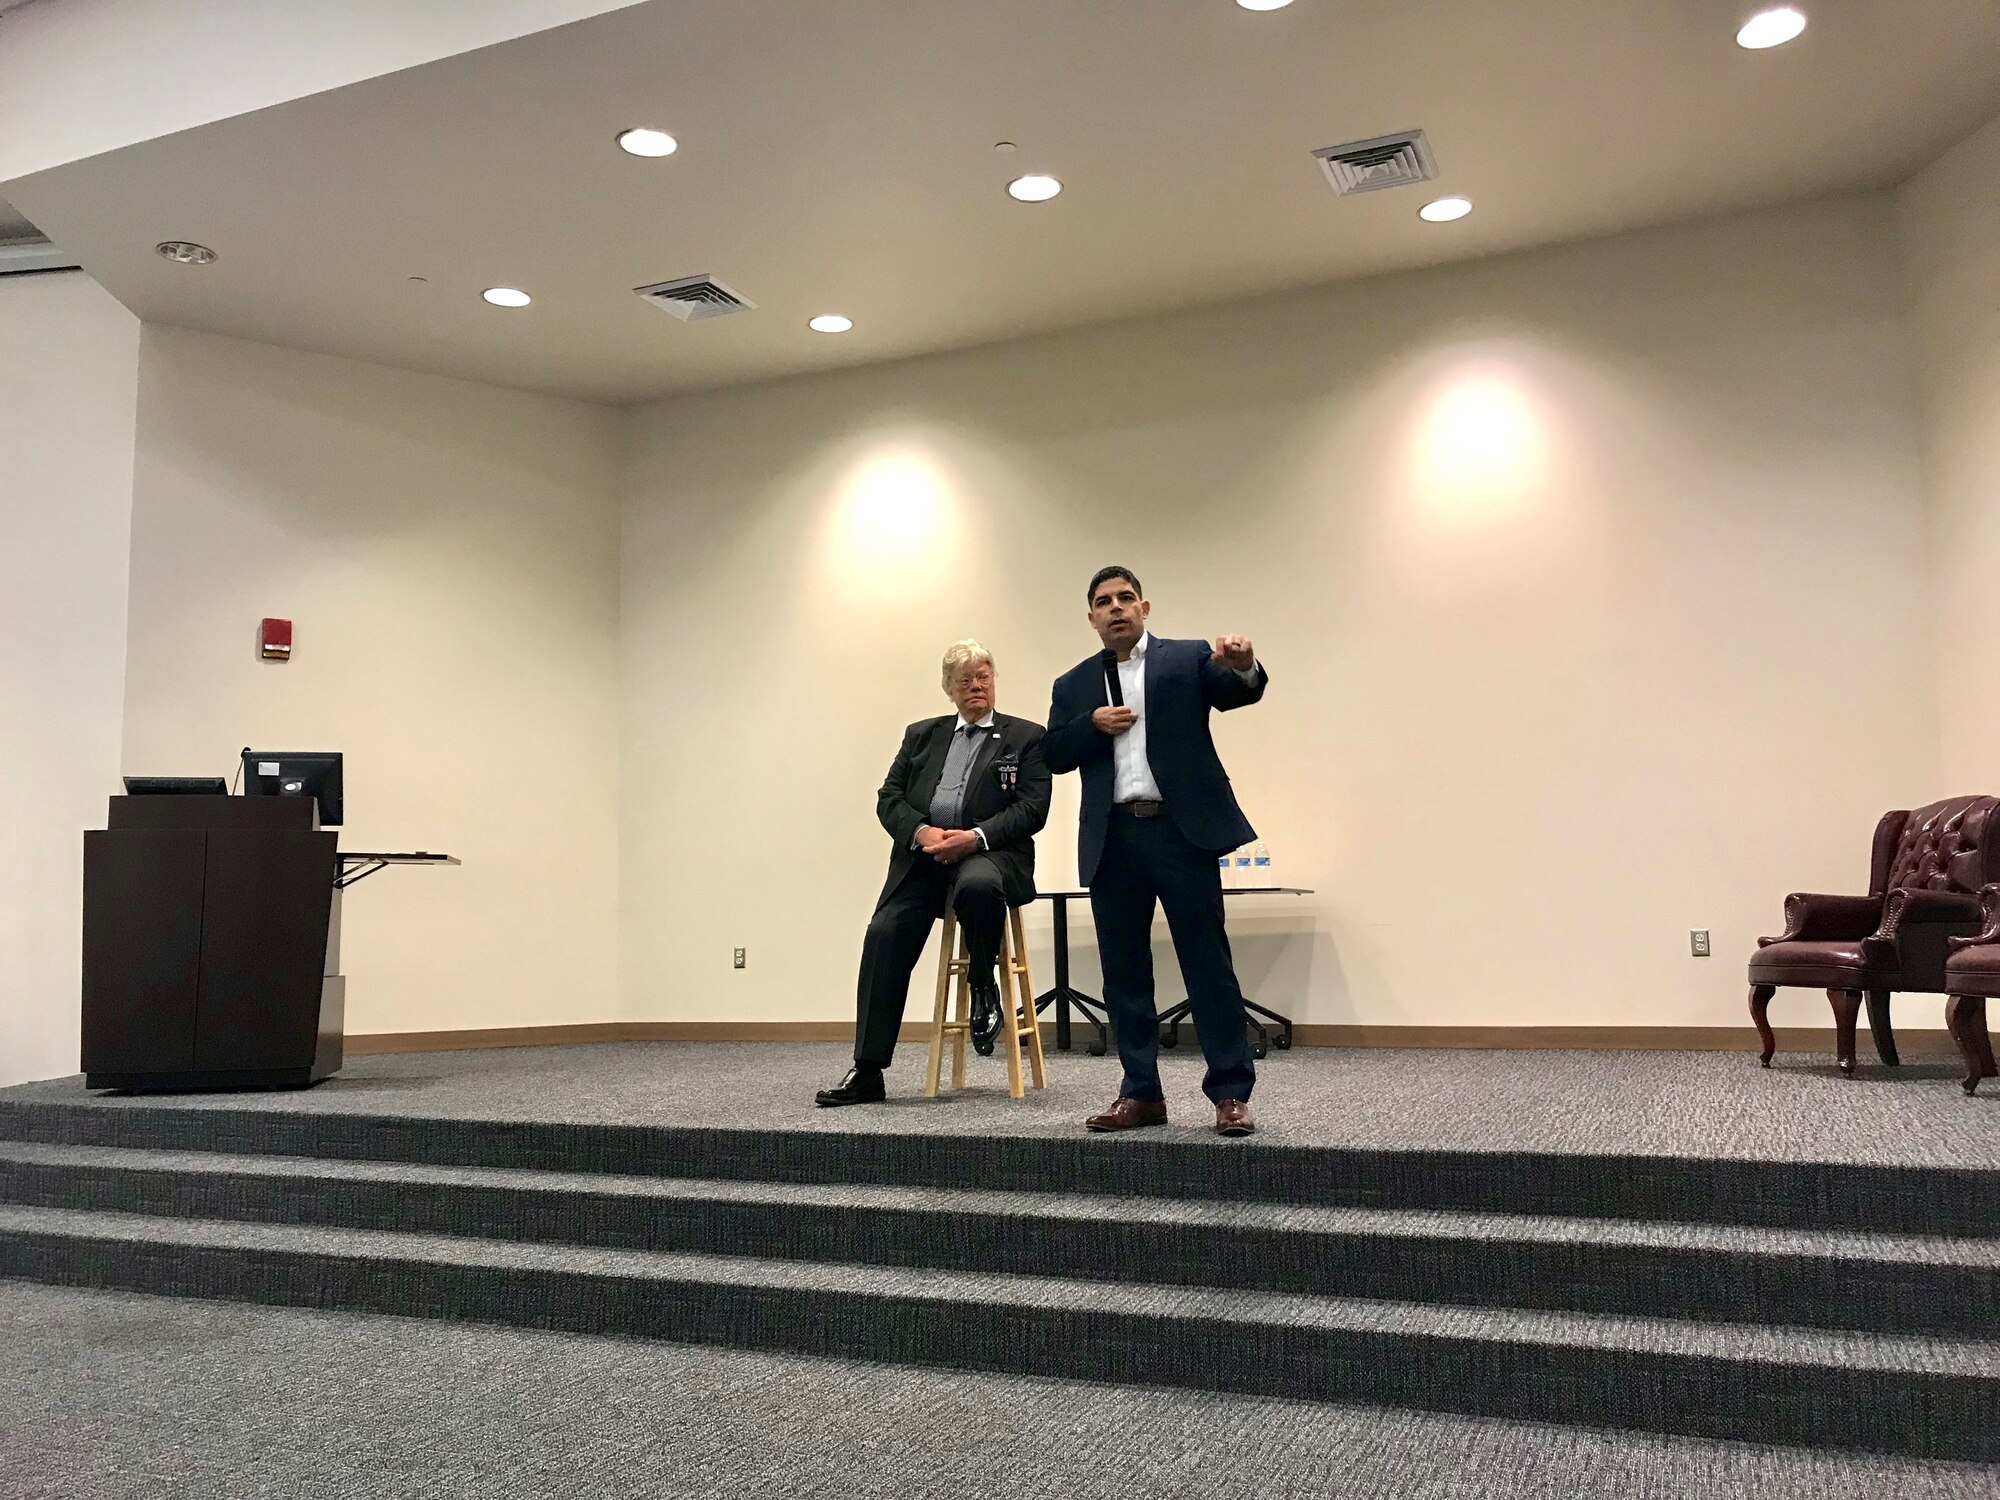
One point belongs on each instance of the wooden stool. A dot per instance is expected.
(1017, 1007)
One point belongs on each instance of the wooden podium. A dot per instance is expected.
(211, 945)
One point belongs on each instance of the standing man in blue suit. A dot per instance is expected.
(1157, 814)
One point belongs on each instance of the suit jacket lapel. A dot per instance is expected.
(926, 785)
(982, 759)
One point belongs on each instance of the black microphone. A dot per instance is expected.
(1112, 684)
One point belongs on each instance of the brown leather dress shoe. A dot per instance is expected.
(1129, 1114)
(1232, 1117)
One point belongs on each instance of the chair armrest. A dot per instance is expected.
(1815, 918)
(1907, 907)
(1989, 925)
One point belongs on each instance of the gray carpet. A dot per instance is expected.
(1705, 1104)
(1933, 1284)
(1098, 1212)
(111, 1395)
(1221, 1310)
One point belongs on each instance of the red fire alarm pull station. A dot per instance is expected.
(274, 640)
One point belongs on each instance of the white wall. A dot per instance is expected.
(69, 360)
(1950, 217)
(446, 551)
(1558, 562)
(1567, 566)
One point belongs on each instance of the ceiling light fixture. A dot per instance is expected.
(185, 253)
(644, 142)
(829, 323)
(1263, 4)
(1444, 210)
(1771, 28)
(506, 296)
(1034, 188)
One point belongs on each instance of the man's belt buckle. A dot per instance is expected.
(1144, 809)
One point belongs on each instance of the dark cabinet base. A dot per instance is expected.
(211, 946)
(210, 1078)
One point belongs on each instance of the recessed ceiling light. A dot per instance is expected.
(506, 296)
(185, 252)
(648, 142)
(1034, 188)
(830, 323)
(1444, 210)
(1263, 4)
(1771, 28)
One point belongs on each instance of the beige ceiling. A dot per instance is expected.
(837, 155)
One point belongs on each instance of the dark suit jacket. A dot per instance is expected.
(1183, 683)
(1010, 819)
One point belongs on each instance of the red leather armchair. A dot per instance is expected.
(1926, 866)
(1971, 977)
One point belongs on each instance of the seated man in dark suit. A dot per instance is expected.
(963, 801)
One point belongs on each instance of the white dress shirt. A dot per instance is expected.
(1132, 774)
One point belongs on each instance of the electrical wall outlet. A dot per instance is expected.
(739, 957)
(1697, 942)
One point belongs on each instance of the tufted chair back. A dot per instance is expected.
(1953, 845)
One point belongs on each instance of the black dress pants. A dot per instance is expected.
(1147, 860)
(899, 929)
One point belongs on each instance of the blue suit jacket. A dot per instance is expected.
(1183, 683)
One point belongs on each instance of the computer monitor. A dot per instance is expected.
(176, 786)
(296, 773)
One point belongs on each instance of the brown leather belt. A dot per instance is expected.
(1142, 809)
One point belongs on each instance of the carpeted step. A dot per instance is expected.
(141, 1397)
(1816, 1278)
(1921, 1397)
(1789, 1194)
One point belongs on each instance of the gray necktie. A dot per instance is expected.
(948, 802)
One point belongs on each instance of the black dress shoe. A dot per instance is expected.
(985, 1017)
(862, 1085)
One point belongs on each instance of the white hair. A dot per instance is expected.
(963, 654)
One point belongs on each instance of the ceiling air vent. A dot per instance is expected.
(23, 256)
(692, 298)
(1388, 161)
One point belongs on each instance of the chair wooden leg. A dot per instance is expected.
(1880, 1029)
(1846, 1011)
(962, 1030)
(1010, 1014)
(1965, 1019)
(1026, 981)
(936, 1063)
(1760, 1006)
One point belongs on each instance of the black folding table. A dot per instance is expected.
(1063, 996)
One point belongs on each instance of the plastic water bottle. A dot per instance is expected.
(1245, 877)
(1225, 870)
(1260, 865)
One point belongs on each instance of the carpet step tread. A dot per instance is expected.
(305, 1173)
(1913, 1199)
(1649, 1337)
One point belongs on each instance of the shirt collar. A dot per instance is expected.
(964, 723)
(1139, 647)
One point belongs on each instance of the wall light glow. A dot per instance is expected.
(897, 514)
(1479, 439)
